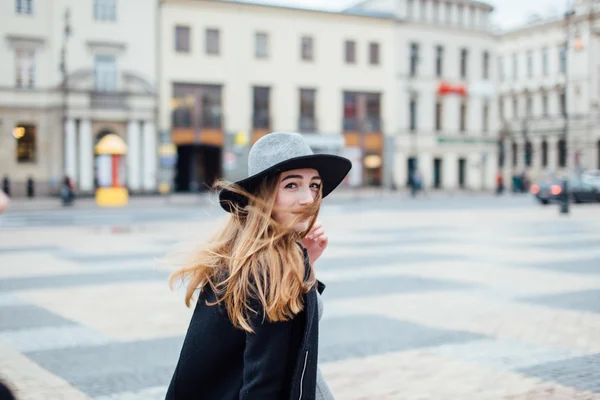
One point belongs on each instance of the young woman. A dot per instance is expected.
(254, 331)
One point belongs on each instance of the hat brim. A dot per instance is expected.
(332, 170)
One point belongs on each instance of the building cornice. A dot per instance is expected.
(236, 3)
(25, 41)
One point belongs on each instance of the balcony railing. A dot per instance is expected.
(369, 124)
(307, 124)
(261, 122)
(107, 100)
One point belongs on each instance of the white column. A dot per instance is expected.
(86, 159)
(150, 156)
(450, 171)
(70, 150)
(134, 166)
(426, 168)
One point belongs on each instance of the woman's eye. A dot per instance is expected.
(315, 186)
(290, 186)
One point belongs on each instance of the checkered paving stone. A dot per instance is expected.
(361, 336)
(66, 280)
(582, 373)
(588, 301)
(576, 266)
(25, 316)
(52, 338)
(348, 261)
(378, 286)
(481, 303)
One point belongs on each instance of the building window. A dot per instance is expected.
(213, 41)
(545, 105)
(515, 108)
(350, 51)
(374, 53)
(464, 57)
(528, 153)
(472, 21)
(485, 118)
(563, 59)
(183, 105)
(105, 10)
(501, 108)
(423, 10)
(486, 65)
(514, 151)
(562, 153)
(501, 68)
(529, 64)
(306, 44)
(529, 107)
(182, 39)
(413, 114)
(211, 101)
(350, 121)
(439, 115)
(544, 153)
(463, 116)
(515, 66)
(436, 11)
(563, 104)
(25, 68)
(439, 61)
(307, 121)
(373, 111)
(261, 45)
(409, 9)
(449, 13)
(260, 113)
(24, 6)
(461, 14)
(545, 61)
(105, 69)
(26, 137)
(414, 58)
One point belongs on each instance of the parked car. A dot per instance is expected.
(592, 177)
(580, 190)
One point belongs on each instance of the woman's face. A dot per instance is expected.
(296, 189)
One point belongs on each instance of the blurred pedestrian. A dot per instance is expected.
(499, 183)
(6, 185)
(254, 331)
(67, 191)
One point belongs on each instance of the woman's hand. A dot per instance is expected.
(315, 242)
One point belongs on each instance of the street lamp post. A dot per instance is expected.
(564, 205)
(64, 88)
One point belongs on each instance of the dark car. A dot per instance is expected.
(547, 189)
(581, 191)
(550, 190)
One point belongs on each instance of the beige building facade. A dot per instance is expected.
(60, 91)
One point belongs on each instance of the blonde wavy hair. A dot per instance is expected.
(253, 264)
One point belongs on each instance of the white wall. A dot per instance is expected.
(237, 69)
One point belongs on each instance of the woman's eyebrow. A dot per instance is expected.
(292, 177)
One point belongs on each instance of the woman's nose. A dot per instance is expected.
(305, 196)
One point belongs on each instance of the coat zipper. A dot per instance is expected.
(302, 377)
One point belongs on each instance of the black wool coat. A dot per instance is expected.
(276, 362)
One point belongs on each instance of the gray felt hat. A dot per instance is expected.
(283, 151)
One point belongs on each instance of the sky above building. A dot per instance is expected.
(507, 13)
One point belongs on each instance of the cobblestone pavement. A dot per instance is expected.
(496, 303)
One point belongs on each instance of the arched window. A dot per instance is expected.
(544, 153)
